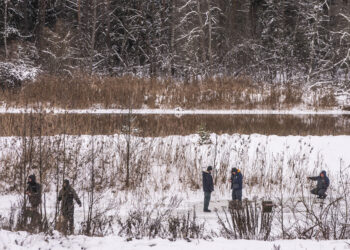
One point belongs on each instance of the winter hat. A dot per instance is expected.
(32, 178)
(234, 170)
(210, 168)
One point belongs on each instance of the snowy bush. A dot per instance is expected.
(247, 221)
(158, 220)
(12, 75)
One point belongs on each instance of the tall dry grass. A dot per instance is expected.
(165, 125)
(84, 91)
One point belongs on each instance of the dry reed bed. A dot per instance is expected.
(165, 125)
(83, 91)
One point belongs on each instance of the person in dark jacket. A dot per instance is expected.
(236, 184)
(67, 194)
(322, 185)
(33, 192)
(208, 187)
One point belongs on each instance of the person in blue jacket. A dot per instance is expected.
(208, 187)
(322, 185)
(236, 184)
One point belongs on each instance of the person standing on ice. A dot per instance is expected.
(208, 187)
(236, 184)
(34, 196)
(67, 195)
(322, 185)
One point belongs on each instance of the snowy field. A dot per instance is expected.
(274, 167)
(22, 240)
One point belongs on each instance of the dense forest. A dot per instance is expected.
(273, 41)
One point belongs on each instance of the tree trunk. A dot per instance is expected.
(5, 29)
(108, 23)
(202, 42)
(93, 34)
(253, 17)
(25, 16)
(41, 22)
(210, 52)
(108, 33)
(172, 37)
(79, 16)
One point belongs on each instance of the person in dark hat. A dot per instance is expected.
(208, 187)
(33, 192)
(322, 185)
(67, 195)
(236, 184)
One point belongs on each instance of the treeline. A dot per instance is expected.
(266, 40)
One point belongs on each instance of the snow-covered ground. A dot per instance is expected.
(174, 165)
(22, 240)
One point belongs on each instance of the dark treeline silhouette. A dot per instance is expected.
(266, 40)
